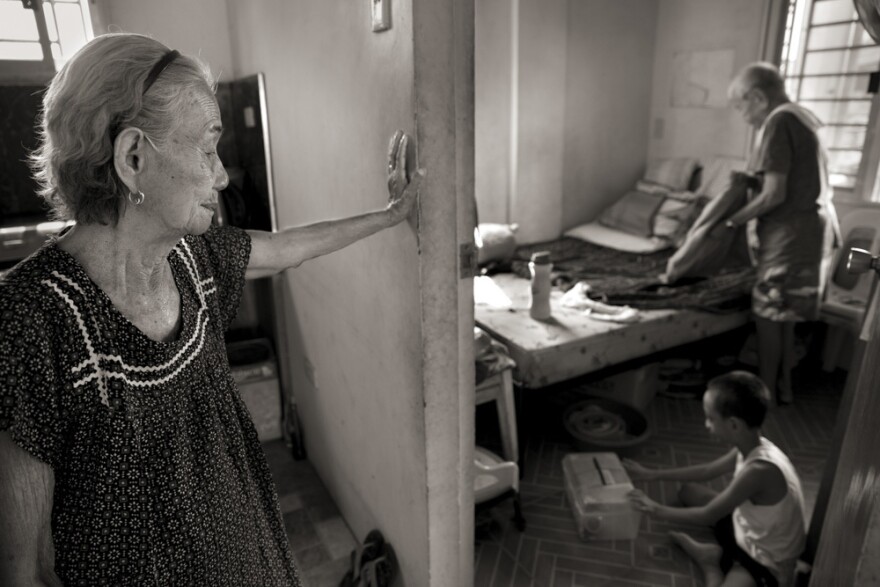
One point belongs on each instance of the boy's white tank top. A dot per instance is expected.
(774, 535)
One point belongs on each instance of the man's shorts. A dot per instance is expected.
(786, 292)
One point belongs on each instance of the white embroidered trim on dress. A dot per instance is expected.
(195, 342)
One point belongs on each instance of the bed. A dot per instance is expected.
(574, 342)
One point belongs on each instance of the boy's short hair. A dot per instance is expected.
(741, 394)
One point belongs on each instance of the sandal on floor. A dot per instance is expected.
(381, 571)
(372, 548)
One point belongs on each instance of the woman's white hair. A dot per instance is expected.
(98, 93)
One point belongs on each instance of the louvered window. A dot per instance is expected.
(36, 37)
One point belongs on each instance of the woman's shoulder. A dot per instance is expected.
(218, 247)
(24, 289)
(223, 237)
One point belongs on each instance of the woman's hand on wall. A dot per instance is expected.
(402, 190)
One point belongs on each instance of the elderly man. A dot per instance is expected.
(793, 216)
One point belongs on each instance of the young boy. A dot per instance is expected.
(758, 519)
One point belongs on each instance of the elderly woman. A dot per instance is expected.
(128, 456)
(794, 217)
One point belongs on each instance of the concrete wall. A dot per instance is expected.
(562, 102)
(493, 103)
(539, 116)
(608, 95)
(194, 27)
(336, 92)
(688, 26)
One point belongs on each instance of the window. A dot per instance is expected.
(37, 36)
(827, 60)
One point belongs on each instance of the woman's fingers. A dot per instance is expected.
(401, 156)
(393, 148)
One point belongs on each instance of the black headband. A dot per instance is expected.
(159, 68)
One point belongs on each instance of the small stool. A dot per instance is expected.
(499, 387)
(497, 480)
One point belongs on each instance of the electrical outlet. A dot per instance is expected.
(381, 15)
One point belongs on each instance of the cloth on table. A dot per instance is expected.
(578, 299)
(618, 277)
(490, 356)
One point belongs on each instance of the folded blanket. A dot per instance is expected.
(708, 244)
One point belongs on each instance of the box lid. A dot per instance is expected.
(596, 478)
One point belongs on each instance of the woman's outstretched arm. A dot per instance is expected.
(272, 252)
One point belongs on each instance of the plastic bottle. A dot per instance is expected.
(540, 267)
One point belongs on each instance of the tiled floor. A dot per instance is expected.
(549, 552)
(319, 538)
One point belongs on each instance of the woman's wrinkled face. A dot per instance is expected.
(187, 174)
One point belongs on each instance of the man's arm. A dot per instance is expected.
(772, 195)
(701, 472)
(748, 484)
(27, 555)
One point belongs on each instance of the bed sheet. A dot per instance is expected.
(571, 343)
(618, 277)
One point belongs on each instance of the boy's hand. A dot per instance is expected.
(637, 472)
(642, 502)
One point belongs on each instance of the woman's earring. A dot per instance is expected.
(136, 198)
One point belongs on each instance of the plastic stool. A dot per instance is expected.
(499, 387)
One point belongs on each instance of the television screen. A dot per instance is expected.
(19, 107)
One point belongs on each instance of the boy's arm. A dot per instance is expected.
(753, 479)
(701, 472)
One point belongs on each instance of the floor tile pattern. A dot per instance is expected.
(550, 554)
(320, 540)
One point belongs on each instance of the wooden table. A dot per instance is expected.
(571, 343)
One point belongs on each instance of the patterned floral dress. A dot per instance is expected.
(159, 476)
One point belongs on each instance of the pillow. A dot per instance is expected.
(675, 173)
(649, 187)
(633, 213)
(595, 233)
(498, 242)
(675, 217)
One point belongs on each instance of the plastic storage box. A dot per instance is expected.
(597, 485)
